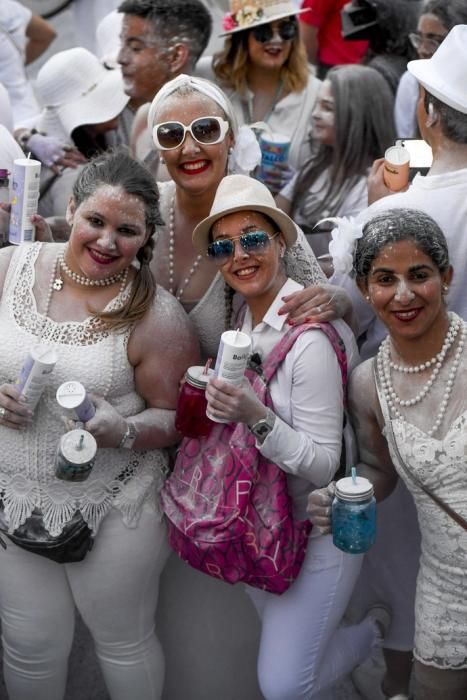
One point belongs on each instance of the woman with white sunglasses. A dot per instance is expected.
(195, 131)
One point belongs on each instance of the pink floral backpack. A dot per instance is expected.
(228, 508)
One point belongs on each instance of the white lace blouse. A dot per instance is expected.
(98, 359)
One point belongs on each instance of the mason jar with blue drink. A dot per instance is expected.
(354, 515)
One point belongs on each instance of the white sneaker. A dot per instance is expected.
(381, 616)
(368, 677)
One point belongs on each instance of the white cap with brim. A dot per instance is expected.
(242, 193)
(444, 75)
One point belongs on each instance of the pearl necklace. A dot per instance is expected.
(84, 281)
(384, 372)
(56, 282)
(193, 268)
(453, 329)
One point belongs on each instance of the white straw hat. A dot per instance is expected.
(76, 89)
(242, 193)
(444, 75)
(246, 14)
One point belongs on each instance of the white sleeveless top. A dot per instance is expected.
(99, 360)
(441, 465)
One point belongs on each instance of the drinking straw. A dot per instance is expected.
(354, 475)
(207, 365)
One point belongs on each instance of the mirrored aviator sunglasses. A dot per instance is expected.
(287, 31)
(206, 130)
(253, 242)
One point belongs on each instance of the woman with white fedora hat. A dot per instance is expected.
(264, 69)
(81, 103)
(302, 652)
(195, 130)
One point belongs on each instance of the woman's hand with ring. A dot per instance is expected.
(14, 413)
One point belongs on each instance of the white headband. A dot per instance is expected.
(246, 153)
(205, 87)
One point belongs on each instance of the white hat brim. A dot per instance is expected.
(287, 227)
(264, 20)
(101, 104)
(427, 75)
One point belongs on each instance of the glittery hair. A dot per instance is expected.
(393, 226)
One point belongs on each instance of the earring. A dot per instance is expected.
(161, 160)
(231, 150)
(367, 297)
(445, 288)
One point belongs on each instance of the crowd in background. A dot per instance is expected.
(161, 224)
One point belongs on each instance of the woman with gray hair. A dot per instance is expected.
(409, 412)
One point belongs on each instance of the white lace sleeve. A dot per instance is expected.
(301, 263)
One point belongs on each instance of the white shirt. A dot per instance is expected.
(14, 19)
(444, 198)
(9, 149)
(307, 395)
(354, 201)
(405, 107)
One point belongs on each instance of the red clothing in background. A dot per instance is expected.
(332, 48)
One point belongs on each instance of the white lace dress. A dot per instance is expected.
(209, 314)
(99, 360)
(440, 463)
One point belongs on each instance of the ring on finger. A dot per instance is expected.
(2, 412)
(319, 309)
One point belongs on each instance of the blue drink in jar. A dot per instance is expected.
(354, 515)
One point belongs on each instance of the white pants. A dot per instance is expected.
(303, 652)
(115, 589)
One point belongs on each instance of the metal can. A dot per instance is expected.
(75, 457)
(73, 399)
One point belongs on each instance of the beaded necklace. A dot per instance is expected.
(81, 279)
(193, 268)
(56, 281)
(384, 364)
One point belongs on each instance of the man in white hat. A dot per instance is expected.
(442, 193)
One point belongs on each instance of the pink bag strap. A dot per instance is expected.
(278, 353)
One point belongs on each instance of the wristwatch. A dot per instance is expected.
(263, 427)
(129, 436)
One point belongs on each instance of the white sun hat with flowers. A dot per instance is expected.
(246, 14)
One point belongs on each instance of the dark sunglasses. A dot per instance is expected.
(287, 31)
(253, 242)
(205, 130)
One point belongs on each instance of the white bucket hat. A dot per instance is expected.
(242, 193)
(76, 89)
(444, 75)
(246, 14)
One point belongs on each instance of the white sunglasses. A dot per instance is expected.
(205, 130)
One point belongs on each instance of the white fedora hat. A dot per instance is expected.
(76, 89)
(444, 75)
(246, 14)
(242, 193)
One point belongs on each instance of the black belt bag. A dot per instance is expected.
(72, 544)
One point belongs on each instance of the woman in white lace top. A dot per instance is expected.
(195, 130)
(95, 303)
(410, 410)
